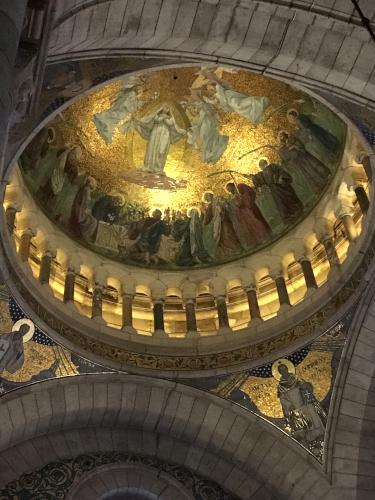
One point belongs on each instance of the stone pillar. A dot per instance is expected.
(282, 290)
(70, 279)
(10, 217)
(331, 253)
(24, 246)
(349, 226)
(45, 267)
(308, 273)
(97, 302)
(222, 313)
(127, 312)
(158, 305)
(362, 198)
(191, 319)
(252, 299)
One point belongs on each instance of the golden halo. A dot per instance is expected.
(275, 372)
(28, 322)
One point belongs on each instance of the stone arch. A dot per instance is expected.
(273, 37)
(54, 420)
(352, 426)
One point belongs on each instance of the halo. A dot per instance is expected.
(21, 322)
(282, 132)
(294, 110)
(190, 209)
(282, 361)
(52, 131)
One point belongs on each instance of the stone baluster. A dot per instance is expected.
(189, 292)
(46, 266)
(127, 312)
(158, 291)
(97, 302)
(158, 309)
(24, 246)
(191, 319)
(362, 198)
(281, 288)
(219, 292)
(10, 217)
(330, 249)
(222, 313)
(349, 226)
(252, 299)
(308, 273)
(69, 285)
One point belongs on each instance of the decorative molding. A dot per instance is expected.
(56, 478)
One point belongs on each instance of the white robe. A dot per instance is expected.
(204, 135)
(160, 131)
(106, 122)
(251, 107)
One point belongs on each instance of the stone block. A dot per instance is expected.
(182, 414)
(156, 403)
(208, 425)
(168, 415)
(127, 404)
(72, 403)
(86, 401)
(44, 407)
(17, 417)
(185, 18)
(196, 418)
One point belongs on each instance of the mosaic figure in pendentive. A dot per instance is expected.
(303, 413)
(11, 345)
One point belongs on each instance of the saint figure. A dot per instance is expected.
(82, 222)
(148, 233)
(294, 154)
(11, 346)
(279, 183)
(311, 130)
(219, 235)
(249, 224)
(190, 232)
(303, 412)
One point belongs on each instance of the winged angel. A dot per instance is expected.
(208, 93)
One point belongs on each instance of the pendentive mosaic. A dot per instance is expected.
(293, 392)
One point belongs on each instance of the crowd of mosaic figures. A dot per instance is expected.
(256, 208)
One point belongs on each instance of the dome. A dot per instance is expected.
(185, 167)
(189, 210)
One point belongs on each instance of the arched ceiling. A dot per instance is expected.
(319, 43)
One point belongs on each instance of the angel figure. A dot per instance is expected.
(217, 91)
(160, 130)
(204, 134)
(125, 103)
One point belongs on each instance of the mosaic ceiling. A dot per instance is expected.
(184, 167)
